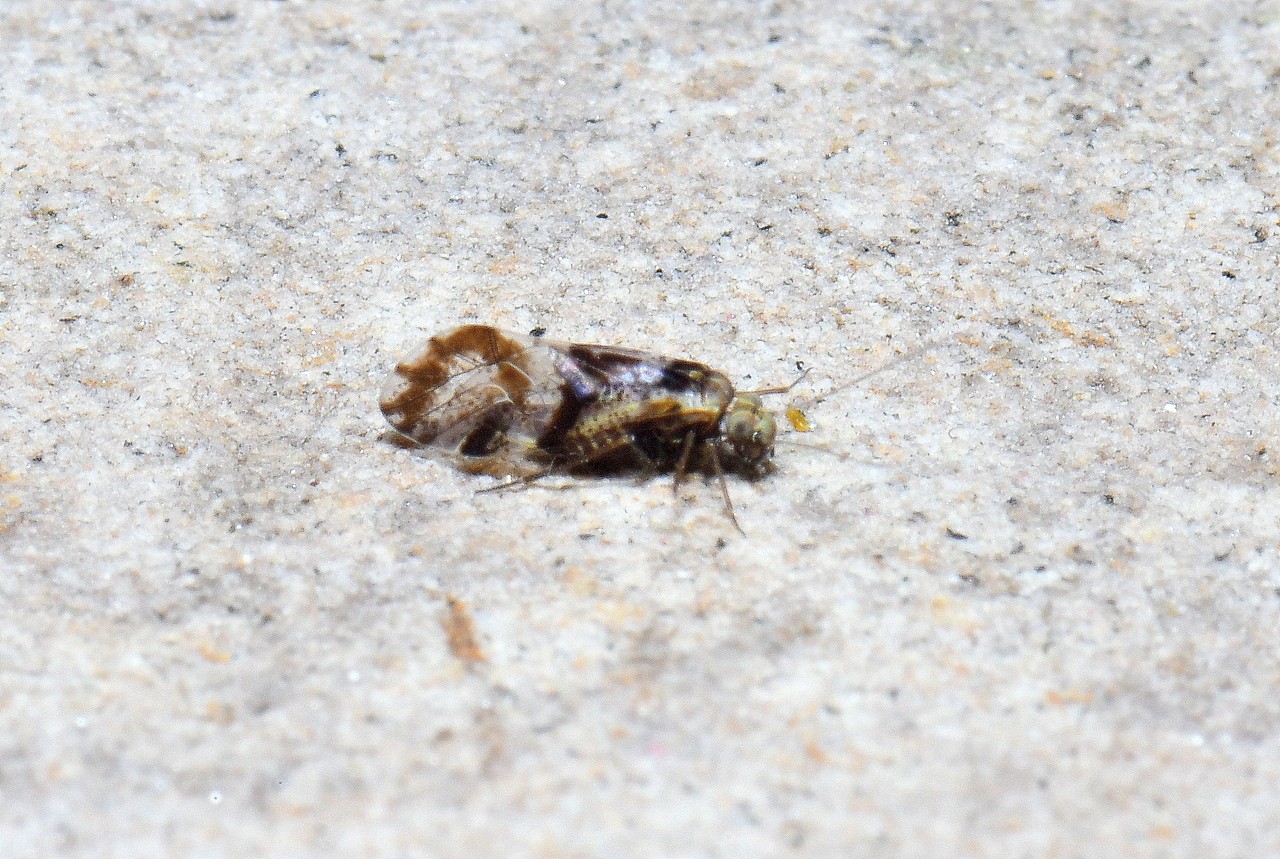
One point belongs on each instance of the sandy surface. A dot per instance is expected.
(1017, 595)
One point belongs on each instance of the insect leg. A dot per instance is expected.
(521, 481)
(648, 466)
(724, 488)
(778, 389)
(682, 464)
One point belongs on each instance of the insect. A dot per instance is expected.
(521, 407)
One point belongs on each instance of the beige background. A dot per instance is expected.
(1017, 597)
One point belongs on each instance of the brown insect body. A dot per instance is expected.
(510, 405)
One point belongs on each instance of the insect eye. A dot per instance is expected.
(737, 426)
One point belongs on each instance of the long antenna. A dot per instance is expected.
(888, 365)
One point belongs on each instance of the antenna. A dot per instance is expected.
(888, 365)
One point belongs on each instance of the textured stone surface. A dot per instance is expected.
(1017, 596)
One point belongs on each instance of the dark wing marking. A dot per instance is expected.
(614, 397)
(629, 373)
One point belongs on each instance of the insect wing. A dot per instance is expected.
(479, 394)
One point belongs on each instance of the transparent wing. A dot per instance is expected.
(480, 394)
